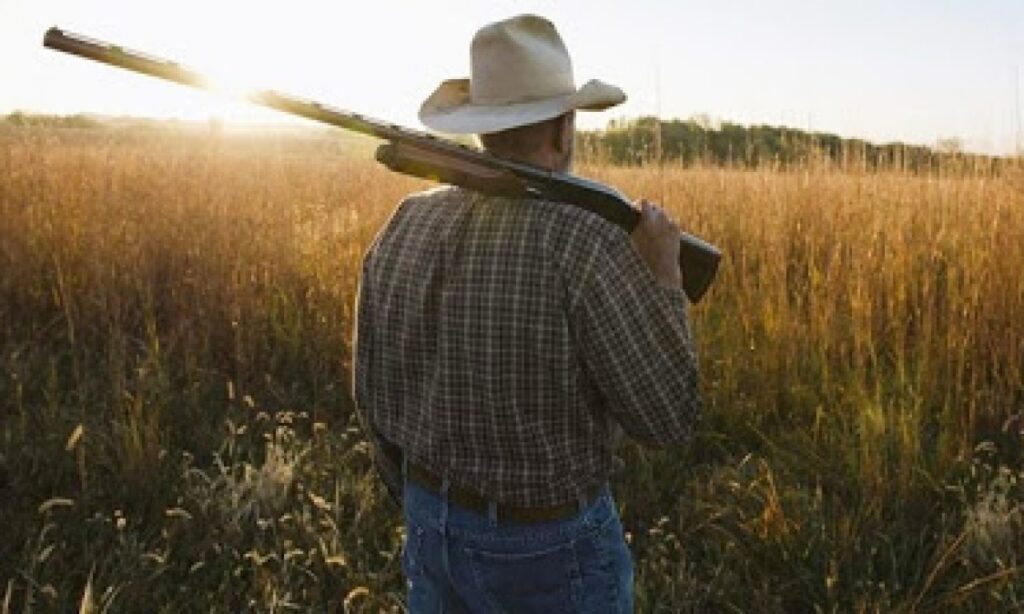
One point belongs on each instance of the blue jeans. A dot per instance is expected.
(458, 560)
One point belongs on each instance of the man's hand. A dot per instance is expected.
(656, 237)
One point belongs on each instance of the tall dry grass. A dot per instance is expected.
(887, 303)
(174, 322)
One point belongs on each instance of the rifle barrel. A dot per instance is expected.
(136, 61)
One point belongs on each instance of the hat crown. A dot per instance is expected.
(521, 75)
(519, 60)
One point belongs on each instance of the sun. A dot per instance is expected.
(221, 92)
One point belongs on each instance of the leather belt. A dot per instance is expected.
(470, 499)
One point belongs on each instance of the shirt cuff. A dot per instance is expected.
(674, 293)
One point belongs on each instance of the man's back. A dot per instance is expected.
(499, 341)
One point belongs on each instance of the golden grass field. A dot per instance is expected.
(176, 430)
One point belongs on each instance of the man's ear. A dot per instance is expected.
(564, 134)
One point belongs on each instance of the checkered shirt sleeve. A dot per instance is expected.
(635, 341)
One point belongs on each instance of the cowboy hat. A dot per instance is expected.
(520, 74)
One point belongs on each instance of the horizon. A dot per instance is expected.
(914, 74)
(296, 125)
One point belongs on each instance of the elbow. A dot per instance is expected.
(678, 427)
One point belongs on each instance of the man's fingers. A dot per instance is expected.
(656, 237)
(655, 217)
(649, 209)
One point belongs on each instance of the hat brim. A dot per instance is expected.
(450, 110)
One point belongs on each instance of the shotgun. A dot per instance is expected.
(424, 155)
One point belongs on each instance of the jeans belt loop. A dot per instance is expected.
(581, 497)
(445, 564)
(445, 484)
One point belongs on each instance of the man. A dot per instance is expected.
(500, 345)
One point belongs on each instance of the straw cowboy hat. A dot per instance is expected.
(520, 74)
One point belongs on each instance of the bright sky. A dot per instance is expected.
(911, 70)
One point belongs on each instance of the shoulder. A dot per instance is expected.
(443, 194)
(580, 244)
(419, 208)
(570, 234)
(572, 221)
(405, 213)
(578, 234)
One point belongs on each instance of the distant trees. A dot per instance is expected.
(698, 140)
(644, 140)
(950, 146)
(19, 118)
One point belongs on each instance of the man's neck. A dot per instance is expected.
(551, 161)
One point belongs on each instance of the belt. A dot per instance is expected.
(470, 499)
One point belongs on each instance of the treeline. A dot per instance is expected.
(698, 141)
(19, 118)
(646, 140)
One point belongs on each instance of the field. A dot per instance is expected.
(176, 429)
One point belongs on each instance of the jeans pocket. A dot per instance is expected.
(546, 580)
(607, 568)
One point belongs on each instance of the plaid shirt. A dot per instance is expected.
(503, 342)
